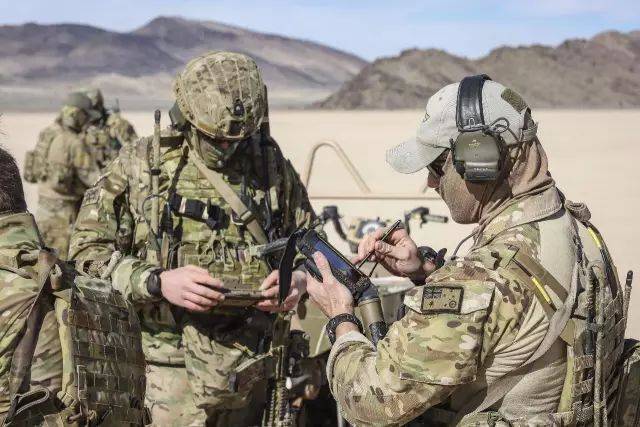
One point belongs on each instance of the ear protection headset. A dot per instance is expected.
(479, 150)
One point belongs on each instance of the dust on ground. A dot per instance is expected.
(591, 154)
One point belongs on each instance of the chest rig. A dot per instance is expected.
(103, 368)
(198, 225)
(601, 366)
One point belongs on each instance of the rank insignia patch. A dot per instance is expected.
(442, 299)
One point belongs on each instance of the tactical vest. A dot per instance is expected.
(35, 161)
(198, 226)
(103, 368)
(602, 380)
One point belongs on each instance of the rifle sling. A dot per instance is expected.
(20, 374)
(229, 195)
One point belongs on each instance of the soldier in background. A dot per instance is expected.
(48, 311)
(108, 131)
(504, 335)
(63, 167)
(186, 277)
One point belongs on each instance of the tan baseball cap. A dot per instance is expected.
(438, 127)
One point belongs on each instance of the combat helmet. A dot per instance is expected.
(222, 95)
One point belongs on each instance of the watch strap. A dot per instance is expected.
(340, 318)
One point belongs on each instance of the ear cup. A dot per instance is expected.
(477, 155)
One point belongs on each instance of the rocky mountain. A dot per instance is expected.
(39, 63)
(601, 72)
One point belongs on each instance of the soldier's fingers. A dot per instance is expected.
(291, 301)
(206, 292)
(271, 292)
(267, 305)
(191, 306)
(397, 252)
(206, 279)
(270, 280)
(323, 267)
(199, 300)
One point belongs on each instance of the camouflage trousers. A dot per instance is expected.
(55, 218)
(204, 391)
(172, 403)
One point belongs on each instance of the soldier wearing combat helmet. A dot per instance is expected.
(203, 294)
(506, 334)
(63, 167)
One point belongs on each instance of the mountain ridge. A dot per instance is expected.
(42, 62)
(600, 72)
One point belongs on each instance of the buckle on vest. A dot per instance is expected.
(242, 219)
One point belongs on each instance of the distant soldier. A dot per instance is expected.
(189, 263)
(107, 131)
(64, 168)
(70, 346)
(527, 328)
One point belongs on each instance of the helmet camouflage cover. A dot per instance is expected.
(222, 95)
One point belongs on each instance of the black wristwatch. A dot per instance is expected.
(335, 321)
(153, 283)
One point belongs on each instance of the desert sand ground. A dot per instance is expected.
(592, 156)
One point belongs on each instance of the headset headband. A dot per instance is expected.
(469, 114)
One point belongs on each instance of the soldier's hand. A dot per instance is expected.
(399, 254)
(191, 287)
(331, 296)
(270, 288)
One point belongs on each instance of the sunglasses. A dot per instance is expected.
(436, 168)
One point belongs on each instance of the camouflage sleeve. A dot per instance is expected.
(103, 229)
(438, 346)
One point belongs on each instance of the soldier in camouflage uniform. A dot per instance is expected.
(38, 382)
(198, 330)
(486, 340)
(107, 131)
(64, 168)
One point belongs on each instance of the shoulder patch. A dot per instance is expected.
(442, 299)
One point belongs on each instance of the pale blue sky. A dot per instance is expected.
(369, 28)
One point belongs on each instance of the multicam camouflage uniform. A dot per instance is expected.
(64, 168)
(203, 231)
(478, 318)
(63, 316)
(106, 134)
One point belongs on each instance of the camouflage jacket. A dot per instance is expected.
(71, 168)
(473, 322)
(115, 213)
(19, 247)
(105, 139)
